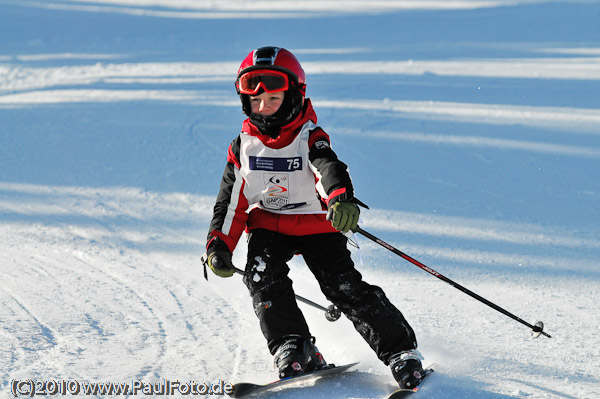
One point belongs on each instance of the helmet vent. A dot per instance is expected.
(266, 55)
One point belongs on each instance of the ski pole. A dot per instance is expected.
(332, 313)
(537, 329)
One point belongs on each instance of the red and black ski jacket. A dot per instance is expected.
(281, 184)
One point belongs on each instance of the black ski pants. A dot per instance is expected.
(379, 322)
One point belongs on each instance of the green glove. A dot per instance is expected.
(343, 216)
(219, 262)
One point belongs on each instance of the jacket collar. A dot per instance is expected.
(288, 132)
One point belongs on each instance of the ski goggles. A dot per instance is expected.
(269, 80)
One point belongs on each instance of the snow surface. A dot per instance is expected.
(472, 129)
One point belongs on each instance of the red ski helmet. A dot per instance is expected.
(272, 69)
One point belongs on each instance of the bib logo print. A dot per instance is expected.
(276, 193)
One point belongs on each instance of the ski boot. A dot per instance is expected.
(407, 369)
(297, 354)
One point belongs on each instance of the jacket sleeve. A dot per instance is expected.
(334, 183)
(229, 214)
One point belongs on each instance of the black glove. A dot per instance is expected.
(220, 263)
(343, 216)
(218, 259)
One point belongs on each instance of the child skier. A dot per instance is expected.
(285, 186)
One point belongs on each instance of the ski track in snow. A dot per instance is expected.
(120, 287)
(478, 157)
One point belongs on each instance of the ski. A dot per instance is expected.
(404, 392)
(244, 389)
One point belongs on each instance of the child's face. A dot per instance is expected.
(266, 104)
